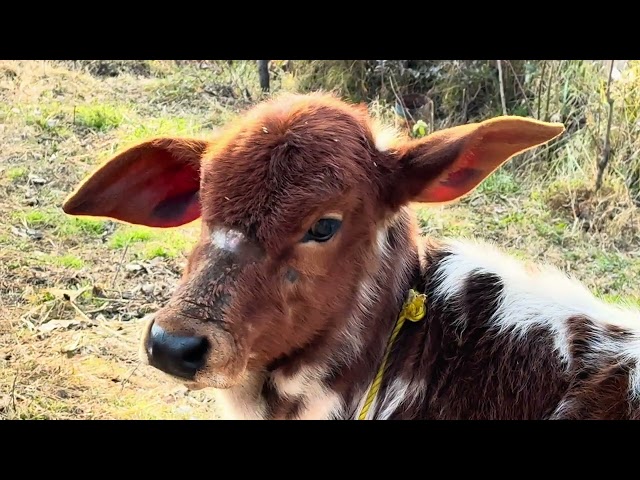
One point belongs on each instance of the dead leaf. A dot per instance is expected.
(19, 232)
(134, 267)
(37, 180)
(34, 234)
(74, 345)
(52, 325)
(68, 295)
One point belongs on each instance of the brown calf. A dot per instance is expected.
(308, 251)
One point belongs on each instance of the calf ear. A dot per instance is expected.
(154, 183)
(451, 163)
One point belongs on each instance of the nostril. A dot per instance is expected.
(179, 355)
(196, 351)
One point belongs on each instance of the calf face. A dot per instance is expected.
(290, 198)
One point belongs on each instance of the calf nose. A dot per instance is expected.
(177, 355)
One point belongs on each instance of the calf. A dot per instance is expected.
(290, 304)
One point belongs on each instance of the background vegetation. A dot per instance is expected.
(73, 292)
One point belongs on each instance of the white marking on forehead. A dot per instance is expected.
(226, 239)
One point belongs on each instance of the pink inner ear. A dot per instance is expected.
(463, 176)
(179, 203)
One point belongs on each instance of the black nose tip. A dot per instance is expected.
(177, 355)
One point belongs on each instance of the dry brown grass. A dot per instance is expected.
(78, 359)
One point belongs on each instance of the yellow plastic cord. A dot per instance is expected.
(414, 310)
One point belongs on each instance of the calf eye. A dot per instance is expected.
(322, 230)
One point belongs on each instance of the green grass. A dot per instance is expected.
(65, 261)
(100, 117)
(500, 183)
(61, 225)
(50, 117)
(41, 297)
(515, 218)
(179, 126)
(444, 222)
(168, 244)
(38, 218)
(553, 230)
(621, 300)
(76, 226)
(147, 243)
(55, 117)
(16, 174)
(129, 235)
(44, 408)
(153, 251)
(156, 242)
(617, 269)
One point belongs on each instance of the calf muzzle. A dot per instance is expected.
(178, 355)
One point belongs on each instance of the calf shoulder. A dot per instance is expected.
(503, 339)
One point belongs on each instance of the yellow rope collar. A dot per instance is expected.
(414, 310)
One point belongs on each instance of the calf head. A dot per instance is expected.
(290, 198)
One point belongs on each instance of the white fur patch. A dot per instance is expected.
(398, 392)
(360, 405)
(242, 402)
(540, 296)
(320, 403)
(296, 385)
(386, 403)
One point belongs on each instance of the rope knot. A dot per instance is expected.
(414, 307)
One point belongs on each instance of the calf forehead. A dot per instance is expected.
(284, 162)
